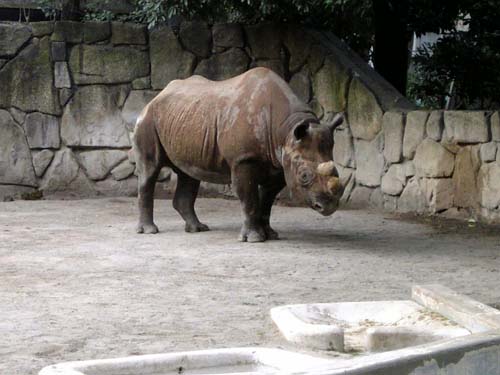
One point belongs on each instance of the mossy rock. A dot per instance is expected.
(92, 64)
(31, 67)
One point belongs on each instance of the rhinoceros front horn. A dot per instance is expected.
(326, 168)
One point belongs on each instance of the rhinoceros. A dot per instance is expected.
(250, 131)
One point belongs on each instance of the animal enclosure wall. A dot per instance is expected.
(71, 92)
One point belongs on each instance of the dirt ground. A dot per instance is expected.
(76, 282)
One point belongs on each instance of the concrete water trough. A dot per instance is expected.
(243, 361)
(439, 332)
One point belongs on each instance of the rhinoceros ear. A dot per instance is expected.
(334, 120)
(301, 131)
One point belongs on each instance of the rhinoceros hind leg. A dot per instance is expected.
(267, 195)
(184, 198)
(149, 157)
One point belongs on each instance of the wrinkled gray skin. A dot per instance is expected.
(250, 131)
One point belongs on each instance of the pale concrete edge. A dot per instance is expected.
(405, 361)
(276, 358)
(318, 336)
(473, 315)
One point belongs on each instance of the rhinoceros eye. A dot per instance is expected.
(306, 176)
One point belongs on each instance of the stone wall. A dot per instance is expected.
(71, 93)
(425, 162)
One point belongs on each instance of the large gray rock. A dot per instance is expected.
(360, 197)
(123, 170)
(316, 58)
(488, 152)
(98, 163)
(433, 160)
(42, 131)
(467, 163)
(58, 51)
(135, 103)
(343, 148)
(196, 37)
(435, 125)
(224, 65)
(15, 156)
(142, 83)
(65, 94)
(42, 28)
(41, 161)
(168, 60)
(438, 192)
(392, 127)
(369, 162)
(91, 64)
(27, 81)
(264, 41)
(394, 180)
(488, 185)
(18, 115)
(12, 37)
(66, 177)
(128, 33)
(301, 85)
(113, 188)
(465, 127)
(495, 126)
(414, 132)
(68, 31)
(96, 31)
(93, 118)
(330, 86)
(61, 75)
(412, 199)
(298, 45)
(365, 114)
(227, 35)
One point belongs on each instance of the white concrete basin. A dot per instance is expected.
(444, 333)
(247, 361)
(363, 326)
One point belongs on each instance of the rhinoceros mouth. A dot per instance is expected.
(325, 210)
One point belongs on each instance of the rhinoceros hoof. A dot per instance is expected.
(190, 228)
(252, 235)
(146, 228)
(271, 234)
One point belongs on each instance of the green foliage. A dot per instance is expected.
(50, 8)
(464, 65)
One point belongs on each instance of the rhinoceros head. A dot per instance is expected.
(308, 166)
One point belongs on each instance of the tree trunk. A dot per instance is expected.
(70, 10)
(391, 54)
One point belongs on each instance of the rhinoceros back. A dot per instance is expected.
(204, 126)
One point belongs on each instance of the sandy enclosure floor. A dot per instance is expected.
(76, 282)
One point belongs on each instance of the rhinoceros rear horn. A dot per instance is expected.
(326, 169)
(335, 121)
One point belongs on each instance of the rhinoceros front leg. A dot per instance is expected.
(245, 181)
(267, 195)
(184, 198)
